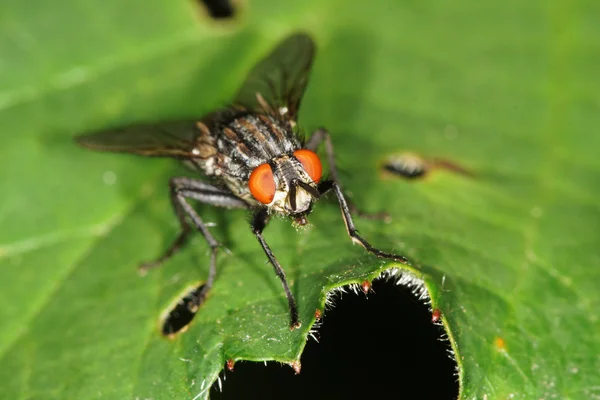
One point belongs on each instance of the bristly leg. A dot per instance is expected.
(322, 135)
(326, 186)
(181, 239)
(259, 222)
(319, 136)
(183, 188)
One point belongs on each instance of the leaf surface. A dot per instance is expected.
(509, 255)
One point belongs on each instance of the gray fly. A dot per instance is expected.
(252, 155)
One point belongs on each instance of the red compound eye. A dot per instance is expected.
(262, 183)
(311, 163)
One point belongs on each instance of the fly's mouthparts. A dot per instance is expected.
(301, 221)
(292, 195)
(309, 189)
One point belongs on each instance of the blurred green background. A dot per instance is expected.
(506, 89)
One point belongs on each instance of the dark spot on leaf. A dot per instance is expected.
(179, 318)
(406, 165)
(219, 9)
(411, 166)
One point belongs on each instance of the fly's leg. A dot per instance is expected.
(259, 222)
(197, 190)
(181, 239)
(347, 208)
(326, 186)
(322, 135)
(319, 136)
(186, 188)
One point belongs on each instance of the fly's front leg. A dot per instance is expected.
(326, 186)
(186, 188)
(259, 223)
(322, 135)
(319, 136)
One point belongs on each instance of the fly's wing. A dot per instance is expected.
(166, 139)
(279, 79)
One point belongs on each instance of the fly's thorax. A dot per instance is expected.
(254, 139)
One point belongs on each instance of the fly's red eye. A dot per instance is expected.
(311, 163)
(262, 184)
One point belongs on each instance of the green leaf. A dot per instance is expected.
(507, 90)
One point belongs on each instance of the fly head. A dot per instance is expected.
(287, 185)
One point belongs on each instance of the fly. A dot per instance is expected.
(252, 155)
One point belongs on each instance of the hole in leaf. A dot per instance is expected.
(219, 9)
(383, 346)
(179, 318)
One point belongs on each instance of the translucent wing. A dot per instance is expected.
(280, 78)
(166, 139)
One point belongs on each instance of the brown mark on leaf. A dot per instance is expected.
(366, 286)
(411, 166)
(500, 343)
(180, 315)
(296, 366)
(230, 364)
(436, 315)
(318, 314)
